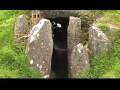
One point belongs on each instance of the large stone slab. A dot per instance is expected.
(64, 13)
(87, 16)
(98, 41)
(79, 60)
(78, 57)
(40, 47)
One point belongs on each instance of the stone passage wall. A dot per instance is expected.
(78, 57)
(74, 33)
(40, 47)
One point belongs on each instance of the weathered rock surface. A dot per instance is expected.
(40, 47)
(21, 27)
(74, 33)
(79, 60)
(78, 57)
(98, 41)
(64, 13)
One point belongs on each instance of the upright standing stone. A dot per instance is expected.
(40, 47)
(79, 60)
(98, 41)
(74, 33)
(78, 57)
(21, 27)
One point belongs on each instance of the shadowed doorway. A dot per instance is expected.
(59, 64)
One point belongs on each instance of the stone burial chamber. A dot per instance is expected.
(55, 43)
(60, 43)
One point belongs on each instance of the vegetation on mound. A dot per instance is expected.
(106, 65)
(13, 62)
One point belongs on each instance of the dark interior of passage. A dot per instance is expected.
(59, 64)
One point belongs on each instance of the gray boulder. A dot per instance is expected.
(74, 33)
(21, 27)
(98, 41)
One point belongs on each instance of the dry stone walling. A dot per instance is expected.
(41, 45)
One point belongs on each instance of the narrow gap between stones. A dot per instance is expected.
(59, 63)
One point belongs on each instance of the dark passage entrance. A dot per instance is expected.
(59, 65)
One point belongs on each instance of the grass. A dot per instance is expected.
(106, 65)
(13, 62)
(109, 17)
(103, 26)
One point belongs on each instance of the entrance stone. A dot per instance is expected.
(40, 47)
